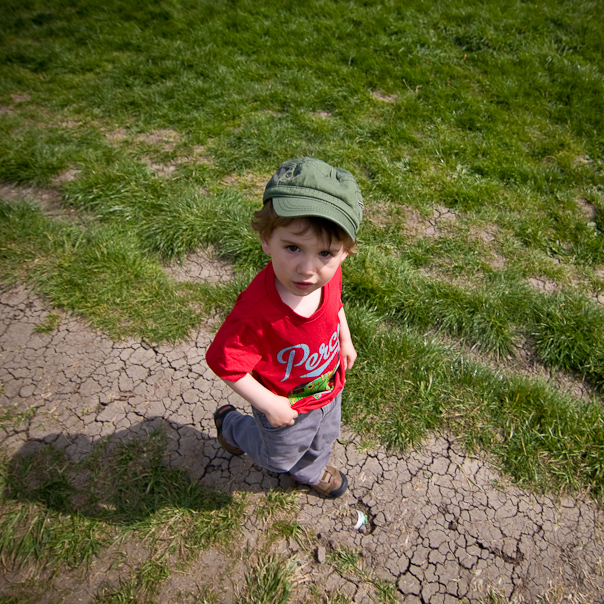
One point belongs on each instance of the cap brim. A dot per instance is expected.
(291, 207)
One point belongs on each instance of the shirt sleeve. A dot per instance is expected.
(234, 351)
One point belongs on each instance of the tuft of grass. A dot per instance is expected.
(14, 418)
(291, 529)
(567, 331)
(269, 581)
(345, 560)
(50, 323)
(385, 592)
(275, 502)
(140, 587)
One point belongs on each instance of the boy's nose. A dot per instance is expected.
(306, 266)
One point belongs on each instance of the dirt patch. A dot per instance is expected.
(20, 98)
(527, 362)
(524, 361)
(378, 213)
(201, 155)
(486, 234)
(496, 262)
(48, 199)
(117, 136)
(253, 185)
(160, 169)
(68, 176)
(166, 138)
(384, 98)
(587, 209)
(543, 284)
(417, 226)
(201, 266)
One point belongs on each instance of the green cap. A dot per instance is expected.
(309, 187)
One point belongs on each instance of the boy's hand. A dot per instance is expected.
(348, 354)
(280, 413)
(276, 408)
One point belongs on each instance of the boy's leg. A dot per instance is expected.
(303, 449)
(309, 468)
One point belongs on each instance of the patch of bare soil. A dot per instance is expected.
(214, 576)
(384, 98)
(488, 236)
(20, 98)
(164, 138)
(201, 266)
(48, 199)
(378, 213)
(587, 209)
(106, 571)
(201, 155)
(67, 176)
(252, 184)
(543, 284)
(418, 226)
(161, 169)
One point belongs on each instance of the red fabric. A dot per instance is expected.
(292, 356)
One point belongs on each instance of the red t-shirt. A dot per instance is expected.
(292, 356)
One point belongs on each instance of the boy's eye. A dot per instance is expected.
(325, 254)
(292, 248)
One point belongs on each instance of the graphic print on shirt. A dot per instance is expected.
(316, 388)
(314, 366)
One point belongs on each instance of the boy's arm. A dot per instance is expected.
(276, 408)
(347, 351)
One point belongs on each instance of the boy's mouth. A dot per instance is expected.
(303, 284)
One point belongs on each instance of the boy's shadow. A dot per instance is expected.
(133, 473)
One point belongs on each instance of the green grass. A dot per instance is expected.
(50, 323)
(269, 582)
(350, 563)
(158, 123)
(58, 515)
(541, 437)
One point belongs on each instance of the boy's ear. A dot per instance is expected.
(265, 246)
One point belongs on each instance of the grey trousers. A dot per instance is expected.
(303, 449)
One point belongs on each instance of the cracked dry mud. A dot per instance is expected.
(443, 526)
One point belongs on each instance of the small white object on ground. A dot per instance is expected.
(362, 519)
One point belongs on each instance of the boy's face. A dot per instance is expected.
(303, 263)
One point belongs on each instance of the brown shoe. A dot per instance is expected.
(219, 415)
(333, 483)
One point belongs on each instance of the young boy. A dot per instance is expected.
(286, 344)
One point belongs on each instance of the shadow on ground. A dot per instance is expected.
(121, 478)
